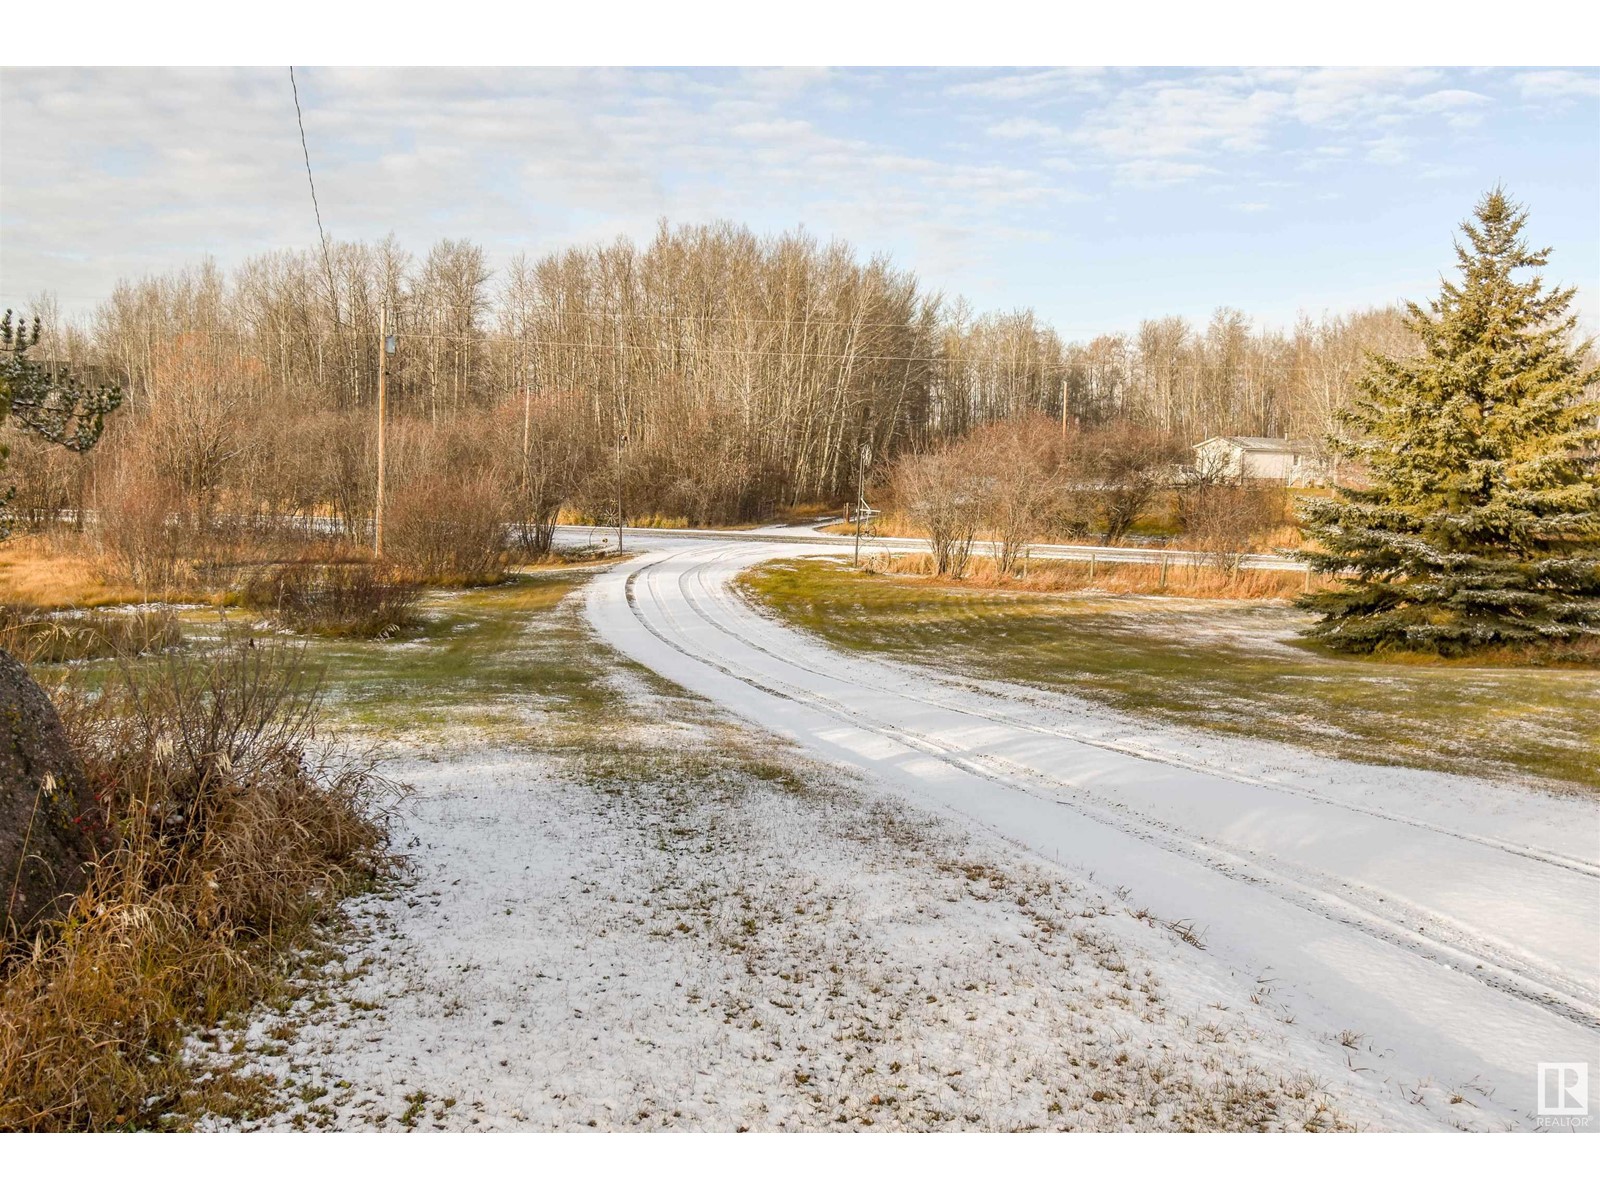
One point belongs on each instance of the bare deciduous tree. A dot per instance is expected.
(944, 497)
(544, 451)
(1120, 468)
(740, 371)
(1018, 464)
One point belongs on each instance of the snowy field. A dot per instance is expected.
(819, 891)
(746, 958)
(1453, 924)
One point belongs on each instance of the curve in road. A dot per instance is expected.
(1466, 944)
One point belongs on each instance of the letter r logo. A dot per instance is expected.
(1563, 1089)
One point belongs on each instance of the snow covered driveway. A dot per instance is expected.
(1453, 925)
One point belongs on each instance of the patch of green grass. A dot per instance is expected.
(1228, 666)
(489, 659)
(494, 661)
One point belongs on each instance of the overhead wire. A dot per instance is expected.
(316, 208)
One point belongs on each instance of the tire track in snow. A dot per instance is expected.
(1463, 950)
(1552, 858)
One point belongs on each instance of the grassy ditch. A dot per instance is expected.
(1227, 666)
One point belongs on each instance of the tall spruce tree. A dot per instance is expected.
(1478, 522)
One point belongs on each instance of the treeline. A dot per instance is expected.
(725, 375)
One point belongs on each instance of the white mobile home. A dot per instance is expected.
(1281, 460)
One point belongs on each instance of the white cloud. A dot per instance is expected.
(1448, 100)
(1017, 128)
(1174, 119)
(1345, 96)
(1151, 172)
(1389, 150)
(1543, 85)
(1460, 109)
(1207, 117)
(117, 172)
(1034, 85)
(110, 173)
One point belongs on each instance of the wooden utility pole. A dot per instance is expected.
(619, 481)
(527, 422)
(861, 493)
(383, 375)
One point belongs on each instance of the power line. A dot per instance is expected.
(762, 351)
(712, 319)
(316, 208)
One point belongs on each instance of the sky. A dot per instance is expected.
(1094, 197)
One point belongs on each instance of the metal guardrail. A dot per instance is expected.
(1046, 550)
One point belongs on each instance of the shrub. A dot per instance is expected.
(450, 530)
(1225, 521)
(360, 599)
(141, 532)
(1019, 463)
(222, 837)
(944, 497)
(46, 481)
(1122, 467)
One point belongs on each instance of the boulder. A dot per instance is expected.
(44, 854)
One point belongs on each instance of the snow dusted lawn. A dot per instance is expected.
(1220, 666)
(644, 915)
(1445, 923)
(714, 952)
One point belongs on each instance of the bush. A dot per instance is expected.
(46, 481)
(361, 599)
(1018, 461)
(222, 837)
(450, 530)
(1225, 521)
(142, 534)
(1121, 467)
(945, 498)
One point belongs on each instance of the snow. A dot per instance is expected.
(841, 892)
(1454, 924)
(754, 957)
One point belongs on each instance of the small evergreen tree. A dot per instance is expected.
(53, 405)
(1478, 523)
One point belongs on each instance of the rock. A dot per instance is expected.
(44, 856)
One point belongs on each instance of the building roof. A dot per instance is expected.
(1265, 445)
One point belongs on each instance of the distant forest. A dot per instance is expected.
(740, 374)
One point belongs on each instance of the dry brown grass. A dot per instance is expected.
(34, 637)
(1115, 578)
(564, 558)
(45, 572)
(1578, 654)
(222, 839)
(889, 523)
(894, 524)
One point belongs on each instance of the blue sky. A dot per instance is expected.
(1093, 197)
